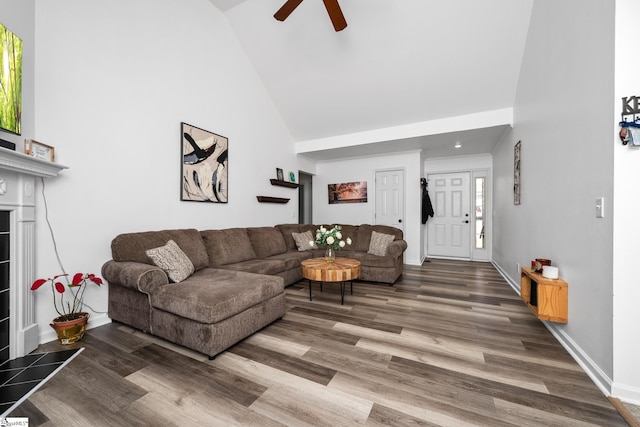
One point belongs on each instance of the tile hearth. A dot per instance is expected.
(20, 377)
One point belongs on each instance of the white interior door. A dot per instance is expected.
(449, 231)
(390, 198)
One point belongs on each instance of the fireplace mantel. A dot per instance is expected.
(21, 163)
(18, 174)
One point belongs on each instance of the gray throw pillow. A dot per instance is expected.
(379, 243)
(172, 260)
(303, 241)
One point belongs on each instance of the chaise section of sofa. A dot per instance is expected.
(208, 312)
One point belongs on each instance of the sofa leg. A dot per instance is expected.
(212, 357)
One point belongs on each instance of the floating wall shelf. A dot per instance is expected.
(546, 298)
(268, 199)
(282, 183)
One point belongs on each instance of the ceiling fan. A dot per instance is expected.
(333, 8)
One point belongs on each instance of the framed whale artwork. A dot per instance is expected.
(205, 163)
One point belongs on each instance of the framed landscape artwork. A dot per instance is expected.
(205, 162)
(348, 192)
(10, 81)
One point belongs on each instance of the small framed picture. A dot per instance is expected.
(38, 150)
(279, 174)
(292, 176)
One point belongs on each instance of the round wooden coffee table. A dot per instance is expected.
(341, 270)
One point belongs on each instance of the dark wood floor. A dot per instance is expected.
(450, 344)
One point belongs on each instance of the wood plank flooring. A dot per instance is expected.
(450, 344)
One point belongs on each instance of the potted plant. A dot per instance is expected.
(71, 323)
(331, 240)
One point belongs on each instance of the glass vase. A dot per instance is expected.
(330, 254)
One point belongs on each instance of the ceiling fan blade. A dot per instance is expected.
(286, 9)
(335, 13)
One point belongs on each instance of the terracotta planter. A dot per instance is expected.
(70, 331)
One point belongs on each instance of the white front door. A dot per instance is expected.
(449, 231)
(390, 198)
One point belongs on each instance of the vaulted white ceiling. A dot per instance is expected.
(398, 62)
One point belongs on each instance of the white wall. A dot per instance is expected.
(562, 115)
(626, 345)
(114, 80)
(363, 169)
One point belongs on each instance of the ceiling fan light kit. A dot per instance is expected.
(332, 6)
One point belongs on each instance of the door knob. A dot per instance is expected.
(399, 220)
(466, 222)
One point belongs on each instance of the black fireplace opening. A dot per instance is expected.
(5, 252)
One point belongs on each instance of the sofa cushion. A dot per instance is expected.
(227, 246)
(172, 260)
(387, 229)
(286, 230)
(375, 261)
(259, 266)
(211, 295)
(132, 246)
(266, 241)
(304, 241)
(379, 243)
(363, 238)
(292, 259)
(364, 235)
(349, 231)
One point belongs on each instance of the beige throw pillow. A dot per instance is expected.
(379, 243)
(303, 241)
(172, 260)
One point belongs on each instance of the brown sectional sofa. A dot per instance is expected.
(238, 284)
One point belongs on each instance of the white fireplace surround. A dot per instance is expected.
(18, 173)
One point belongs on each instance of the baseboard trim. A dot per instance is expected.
(626, 393)
(600, 379)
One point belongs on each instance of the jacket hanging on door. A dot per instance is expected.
(427, 207)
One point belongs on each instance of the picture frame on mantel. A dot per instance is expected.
(205, 165)
(39, 150)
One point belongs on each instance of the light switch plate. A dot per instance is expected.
(600, 207)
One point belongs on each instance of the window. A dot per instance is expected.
(480, 195)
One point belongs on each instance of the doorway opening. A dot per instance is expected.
(305, 198)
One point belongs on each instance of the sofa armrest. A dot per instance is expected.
(397, 248)
(134, 275)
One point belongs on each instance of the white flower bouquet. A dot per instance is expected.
(330, 238)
